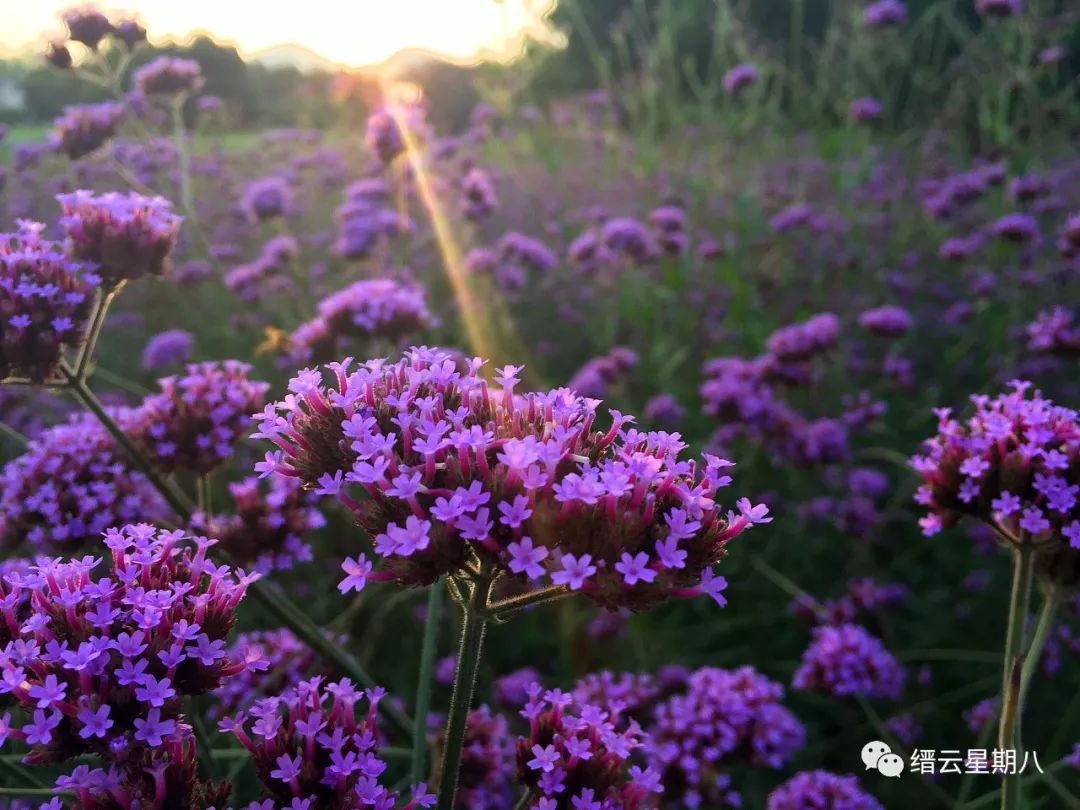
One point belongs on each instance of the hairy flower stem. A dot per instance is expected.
(473, 628)
(430, 646)
(1011, 692)
(266, 593)
(504, 607)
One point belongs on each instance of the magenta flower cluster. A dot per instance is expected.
(847, 660)
(85, 128)
(265, 530)
(722, 718)
(452, 468)
(375, 309)
(1014, 464)
(168, 77)
(124, 236)
(821, 790)
(574, 757)
(195, 421)
(101, 664)
(45, 300)
(72, 483)
(314, 746)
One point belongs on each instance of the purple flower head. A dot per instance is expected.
(885, 13)
(45, 299)
(267, 198)
(197, 419)
(803, 340)
(169, 77)
(72, 482)
(598, 376)
(384, 136)
(478, 195)
(580, 751)
(821, 790)
(265, 530)
(318, 742)
(665, 411)
(1055, 331)
(85, 128)
(887, 321)
(999, 8)
(129, 32)
(717, 720)
(1013, 465)
(124, 236)
(376, 309)
(846, 660)
(86, 24)
(1019, 228)
(865, 110)
(739, 78)
(436, 465)
(108, 680)
(166, 349)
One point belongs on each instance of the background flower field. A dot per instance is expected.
(789, 252)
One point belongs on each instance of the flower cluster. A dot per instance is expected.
(1014, 464)
(573, 757)
(513, 261)
(197, 418)
(846, 660)
(885, 13)
(384, 136)
(887, 321)
(267, 198)
(802, 341)
(265, 530)
(313, 747)
(168, 76)
(478, 195)
(487, 763)
(279, 661)
(71, 484)
(821, 790)
(376, 309)
(739, 78)
(250, 281)
(366, 220)
(101, 666)
(723, 718)
(168, 348)
(45, 299)
(601, 373)
(452, 468)
(1054, 331)
(85, 128)
(87, 25)
(865, 597)
(125, 236)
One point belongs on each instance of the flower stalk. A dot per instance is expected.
(473, 629)
(1011, 692)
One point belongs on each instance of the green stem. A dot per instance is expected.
(77, 385)
(1038, 641)
(181, 143)
(473, 628)
(428, 650)
(1011, 708)
(504, 607)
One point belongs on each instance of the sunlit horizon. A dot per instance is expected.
(365, 34)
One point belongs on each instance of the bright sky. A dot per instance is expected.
(356, 33)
